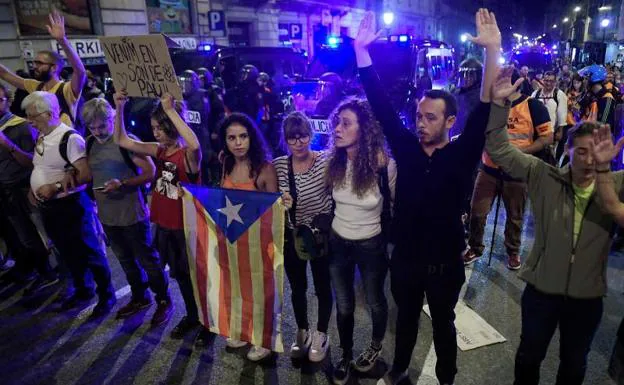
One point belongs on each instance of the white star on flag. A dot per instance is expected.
(231, 211)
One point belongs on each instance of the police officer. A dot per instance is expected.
(198, 112)
(332, 93)
(469, 85)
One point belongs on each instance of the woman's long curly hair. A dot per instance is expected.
(372, 153)
(257, 154)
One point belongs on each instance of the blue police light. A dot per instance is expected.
(403, 38)
(333, 41)
(501, 60)
(132, 123)
(207, 48)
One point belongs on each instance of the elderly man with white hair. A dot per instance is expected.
(66, 210)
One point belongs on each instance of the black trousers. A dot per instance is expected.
(296, 271)
(70, 224)
(22, 237)
(441, 283)
(542, 313)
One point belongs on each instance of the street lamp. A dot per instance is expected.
(554, 26)
(577, 9)
(604, 24)
(565, 19)
(463, 37)
(388, 18)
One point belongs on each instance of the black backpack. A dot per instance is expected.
(63, 147)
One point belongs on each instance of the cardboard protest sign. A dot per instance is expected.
(141, 65)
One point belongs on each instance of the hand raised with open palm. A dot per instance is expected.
(56, 28)
(603, 148)
(367, 33)
(488, 34)
(502, 87)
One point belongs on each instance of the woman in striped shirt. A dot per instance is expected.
(307, 167)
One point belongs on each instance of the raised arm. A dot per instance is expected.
(10, 77)
(56, 28)
(193, 147)
(603, 152)
(488, 37)
(120, 136)
(401, 141)
(510, 159)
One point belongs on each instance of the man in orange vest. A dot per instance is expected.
(528, 116)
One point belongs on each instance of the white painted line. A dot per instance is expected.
(77, 321)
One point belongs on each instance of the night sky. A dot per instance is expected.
(534, 11)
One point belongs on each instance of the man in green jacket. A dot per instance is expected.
(566, 269)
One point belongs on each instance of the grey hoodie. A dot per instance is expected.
(554, 265)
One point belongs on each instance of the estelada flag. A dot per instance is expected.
(235, 243)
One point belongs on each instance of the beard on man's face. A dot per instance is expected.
(43, 76)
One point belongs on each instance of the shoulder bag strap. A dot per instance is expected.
(293, 191)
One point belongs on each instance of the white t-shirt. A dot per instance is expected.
(558, 110)
(49, 167)
(360, 218)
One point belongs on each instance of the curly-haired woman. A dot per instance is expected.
(359, 162)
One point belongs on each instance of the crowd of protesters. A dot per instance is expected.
(71, 167)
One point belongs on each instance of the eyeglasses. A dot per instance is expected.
(303, 139)
(39, 147)
(33, 117)
(41, 63)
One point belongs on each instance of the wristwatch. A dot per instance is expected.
(59, 186)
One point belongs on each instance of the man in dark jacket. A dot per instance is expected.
(433, 179)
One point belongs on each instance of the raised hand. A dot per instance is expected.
(120, 97)
(56, 28)
(488, 34)
(502, 87)
(603, 149)
(367, 33)
(168, 103)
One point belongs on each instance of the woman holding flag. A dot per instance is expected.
(301, 178)
(245, 167)
(178, 156)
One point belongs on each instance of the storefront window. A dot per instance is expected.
(32, 16)
(169, 16)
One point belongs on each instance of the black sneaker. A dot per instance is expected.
(103, 307)
(183, 327)
(41, 283)
(342, 371)
(367, 359)
(392, 378)
(77, 300)
(204, 338)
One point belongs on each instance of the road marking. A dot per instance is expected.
(427, 374)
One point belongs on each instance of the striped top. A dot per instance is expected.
(313, 197)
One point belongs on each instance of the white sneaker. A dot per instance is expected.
(258, 353)
(320, 343)
(302, 343)
(235, 344)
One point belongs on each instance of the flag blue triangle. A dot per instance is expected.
(241, 206)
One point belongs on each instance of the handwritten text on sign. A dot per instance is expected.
(141, 65)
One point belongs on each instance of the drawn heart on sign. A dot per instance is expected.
(123, 80)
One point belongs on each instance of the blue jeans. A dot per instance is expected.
(70, 225)
(139, 259)
(578, 320)
(369, 255)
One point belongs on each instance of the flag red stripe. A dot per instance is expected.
(266, 242)
(225, 294)
(201, 259)
(246, 286)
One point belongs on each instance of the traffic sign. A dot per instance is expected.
(216, 21)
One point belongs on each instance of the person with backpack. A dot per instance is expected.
(598, 104)
(556, 101)
(360, 175)
(527, 117)
(58, 183)
(118, 181)
(47, 72)
(301, 178)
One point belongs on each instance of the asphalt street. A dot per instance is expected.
(39, 345)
